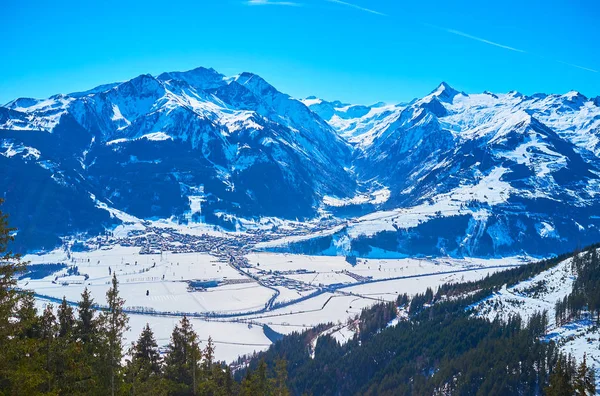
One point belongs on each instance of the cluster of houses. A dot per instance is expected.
(292, 284)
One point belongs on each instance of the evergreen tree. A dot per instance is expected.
(560, 382)
(261, 381)
(85, 369)
(146, 353)
(402, 300)
(591, 381)
(228, 385)
(68, 355)
(87, 324)
(66, 320)
(143, 371)
(23, 357)
(114, 322)
(279, 385)
(48, 333)
(10, 266)
(27, 317)
(209, 355)
(249, 385)
(585, 383)
(181, 362)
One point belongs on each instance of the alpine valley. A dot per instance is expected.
(449, 174)
(382, 249)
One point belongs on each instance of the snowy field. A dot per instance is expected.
(283, 291)
(375, 268)
(150, 281)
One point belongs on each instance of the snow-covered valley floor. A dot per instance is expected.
(232, 294)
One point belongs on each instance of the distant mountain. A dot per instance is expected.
(449, 173)
(480, 174)
(355, 123)
(152, 145)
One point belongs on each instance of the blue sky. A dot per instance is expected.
(358, 51)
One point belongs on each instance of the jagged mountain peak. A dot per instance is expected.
(444, 92)
(53, 104)
(575, 98)
(535, 96)
(141, 78)
(574, 95)
(244, 76)
(199, 78)
(515, 94)
(444, 86)
(140, 85)
(256, 84)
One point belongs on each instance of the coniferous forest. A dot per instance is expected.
(439, 349)
(585, 296)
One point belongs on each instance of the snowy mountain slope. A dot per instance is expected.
(539, 294)
(479, 174)
(146, 145)
(44, 191)
(358, 124)
(450, 173)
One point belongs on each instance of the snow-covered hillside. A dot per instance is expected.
(538, 294)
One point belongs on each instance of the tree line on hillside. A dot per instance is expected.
(435, 352)
(508, 277)
(441, 349)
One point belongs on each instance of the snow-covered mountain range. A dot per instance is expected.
(449, 173)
